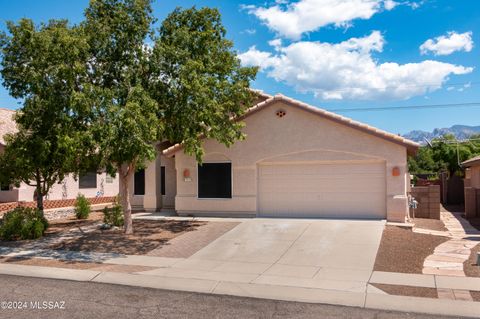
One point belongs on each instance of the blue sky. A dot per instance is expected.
(338, 54)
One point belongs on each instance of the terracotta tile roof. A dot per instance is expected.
(472, 162)
(410, 145)
(7, 124)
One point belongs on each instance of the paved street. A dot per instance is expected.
(93, 300)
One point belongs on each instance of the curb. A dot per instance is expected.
(286, 293)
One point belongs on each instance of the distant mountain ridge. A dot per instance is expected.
(459, 131)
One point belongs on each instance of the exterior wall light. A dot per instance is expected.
(395, 171)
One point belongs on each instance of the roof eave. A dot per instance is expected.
(411, 146)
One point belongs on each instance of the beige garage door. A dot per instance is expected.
(322, 190)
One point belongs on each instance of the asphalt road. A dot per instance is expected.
(94, 300)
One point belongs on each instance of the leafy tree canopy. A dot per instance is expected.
(44, 65)
(444, 154)
(98, 95)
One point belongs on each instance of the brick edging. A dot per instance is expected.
(57, 203)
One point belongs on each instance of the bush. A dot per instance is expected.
(82, 207)
(23, 223)
(113, 215)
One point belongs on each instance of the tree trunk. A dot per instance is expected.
(39, 199)
(125, 172)
(39, 195)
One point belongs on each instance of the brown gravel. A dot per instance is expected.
(148, 235)
(475, 295)
(470, 265)
(48, 263)
(63, 225)
(74, 264)
(410, 291)
(431, 224)
(402, 250)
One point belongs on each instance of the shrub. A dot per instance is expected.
(23, 223)
(113, 215)
(82, 207)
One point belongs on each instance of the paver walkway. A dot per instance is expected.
(448, 258)
(189, 243)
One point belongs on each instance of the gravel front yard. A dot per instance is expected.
(402, 250)
(85, 235)
(410, 291)
(74, 264)
(147, 236)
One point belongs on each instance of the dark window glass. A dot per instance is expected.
(87, 180)
(139, 182)
(162, 180)
(215, 180)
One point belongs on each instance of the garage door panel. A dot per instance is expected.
(322, 190)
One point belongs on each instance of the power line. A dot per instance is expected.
(401, 86)
(408, 107)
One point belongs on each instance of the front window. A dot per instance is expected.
(215, 180)
(87, 180)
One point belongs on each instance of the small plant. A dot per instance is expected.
(82, 207)
(113, 215)
(23, 223)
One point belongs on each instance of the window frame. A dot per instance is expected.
(231, 181)
(88, 187)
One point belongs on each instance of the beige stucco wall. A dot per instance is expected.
(65, 190)
(299, 136)
(153, 200)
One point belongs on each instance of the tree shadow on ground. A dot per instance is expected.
(147, 236)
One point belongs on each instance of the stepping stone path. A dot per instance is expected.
(448, 257)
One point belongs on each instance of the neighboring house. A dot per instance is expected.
(90, 184)
(296, 161)
(472, 187)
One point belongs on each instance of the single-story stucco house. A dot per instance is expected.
(91, 185)
(296, 161)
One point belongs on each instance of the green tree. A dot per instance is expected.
(43, 65)
(444, 154)
(96, 96)
(125, 121)
(188, 86)
(197, 80)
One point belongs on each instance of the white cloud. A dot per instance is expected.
(390, 4)
(276, 43)
(447, 44)
(294, 19)
(347, 70)
(258, 58)
(249, 31)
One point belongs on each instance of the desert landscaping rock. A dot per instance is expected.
(401, 290)
(404, 251)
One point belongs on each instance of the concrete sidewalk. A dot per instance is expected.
(366, 299)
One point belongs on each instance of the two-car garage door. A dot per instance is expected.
(346, 190)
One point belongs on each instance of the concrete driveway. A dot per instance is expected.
(328, 254)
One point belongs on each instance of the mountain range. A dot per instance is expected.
(459, 131)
